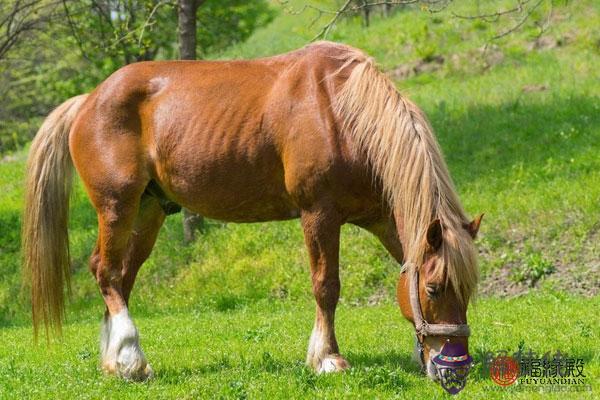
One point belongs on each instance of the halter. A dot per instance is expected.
(422, 327)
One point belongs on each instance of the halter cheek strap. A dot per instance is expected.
(422, 327)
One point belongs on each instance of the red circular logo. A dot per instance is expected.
(504, 370)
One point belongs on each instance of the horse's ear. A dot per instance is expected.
(473, 226)
(434, 234)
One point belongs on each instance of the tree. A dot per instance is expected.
(54, 49)
(20, 17)
(186, 12)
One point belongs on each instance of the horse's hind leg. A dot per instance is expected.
(127, 230)
(145, 230)
(322, 235)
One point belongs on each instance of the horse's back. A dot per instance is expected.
(234, 140)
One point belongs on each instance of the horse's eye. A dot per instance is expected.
(432, 290)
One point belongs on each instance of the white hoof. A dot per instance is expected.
(333, 363)
(132, 364)
(120, 349)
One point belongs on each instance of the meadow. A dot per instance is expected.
(229, 316)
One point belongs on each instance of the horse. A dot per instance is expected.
(319, 133)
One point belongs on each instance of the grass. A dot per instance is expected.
(230, 315)
(256, 351)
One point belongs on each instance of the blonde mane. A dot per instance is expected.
(399, 142)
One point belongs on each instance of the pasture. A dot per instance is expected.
(230, 315)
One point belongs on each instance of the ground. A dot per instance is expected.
(257, 351)
(230, 315)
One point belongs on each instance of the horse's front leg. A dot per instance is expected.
(322, 235)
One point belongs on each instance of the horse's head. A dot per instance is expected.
(431, 295)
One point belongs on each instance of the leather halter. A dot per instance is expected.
(422, 327)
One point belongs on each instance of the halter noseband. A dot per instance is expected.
(422, 327)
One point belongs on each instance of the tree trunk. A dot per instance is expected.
(186, 11)
(387, 9)
(366, 14)
(191, 223)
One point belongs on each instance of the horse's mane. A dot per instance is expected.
(399, 142)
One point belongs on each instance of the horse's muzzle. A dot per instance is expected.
(452, 379)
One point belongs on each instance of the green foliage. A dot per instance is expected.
(535, 267)
(426, 48)
(15, 133)
(222, 23)
(94, 38)
(122, 31)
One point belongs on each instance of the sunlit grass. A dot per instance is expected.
(257, 351)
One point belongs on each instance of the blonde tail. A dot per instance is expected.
(45, 238)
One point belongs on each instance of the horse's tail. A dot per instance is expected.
(45, 238)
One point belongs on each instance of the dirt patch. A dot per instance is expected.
(550, 42)
(480, 59)
(418, 67)
(576, 271)
(490, 56)
(11, 157)
(534, 88)
(543, 43)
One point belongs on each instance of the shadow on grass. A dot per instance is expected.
(384, 371)
(390, 360)
(486, 140)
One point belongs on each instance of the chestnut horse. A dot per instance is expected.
(318, 133)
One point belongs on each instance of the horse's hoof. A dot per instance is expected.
(333, 363)
(135, 374)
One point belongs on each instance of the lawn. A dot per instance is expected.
(230, 315)
(257, 351)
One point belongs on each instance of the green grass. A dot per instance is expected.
(230, 315)
(257, 352)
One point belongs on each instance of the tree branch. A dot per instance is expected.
(492, 17)
(22, 17)
(520, 23)
(432, 6)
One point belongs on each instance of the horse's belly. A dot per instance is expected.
(233, 203)
(230, 187)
